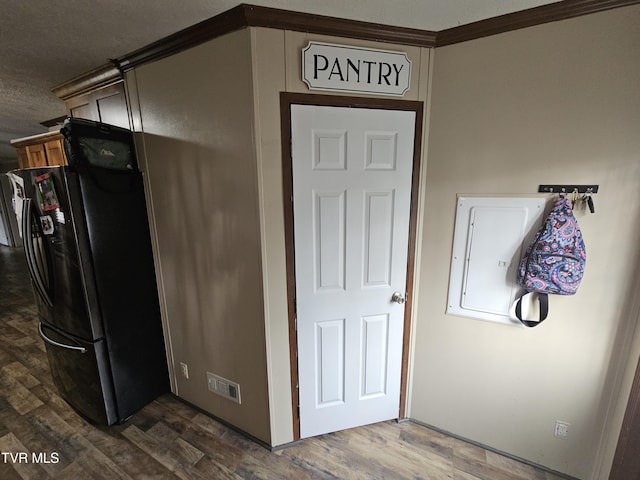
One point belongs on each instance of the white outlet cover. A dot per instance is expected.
(561, 429)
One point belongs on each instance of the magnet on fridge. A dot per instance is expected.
(47, 225)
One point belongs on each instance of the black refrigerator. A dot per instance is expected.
(87, 243)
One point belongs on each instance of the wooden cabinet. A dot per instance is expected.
(54, 151)
(42, 150)
(107, 105)
(96, 95)
(36, 155)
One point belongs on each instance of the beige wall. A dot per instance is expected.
(557, 103)
(196, 111)
(269, 80)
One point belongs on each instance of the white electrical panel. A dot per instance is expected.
(491, 234)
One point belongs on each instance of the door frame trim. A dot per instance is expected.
(286, 100)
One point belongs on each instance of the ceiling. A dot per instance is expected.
(44, 43)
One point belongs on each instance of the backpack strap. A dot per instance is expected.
(543, 300)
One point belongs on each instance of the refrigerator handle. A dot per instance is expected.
(58, 344)
(27, 241)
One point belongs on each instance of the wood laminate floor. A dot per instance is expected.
(168, 439)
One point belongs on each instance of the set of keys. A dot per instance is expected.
(586, 198)
(582, 194)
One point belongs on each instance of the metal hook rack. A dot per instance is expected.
(565, 189)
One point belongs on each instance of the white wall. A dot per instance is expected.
(556, 103)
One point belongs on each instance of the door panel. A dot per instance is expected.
(375, 330)
(61, 222)
(378, 230)
(352, 171)
(329, 359)
(329, 254)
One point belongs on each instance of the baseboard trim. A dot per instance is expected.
(399, 421)
(491, 449)
(248, 436)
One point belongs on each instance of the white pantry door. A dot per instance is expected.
(352, 170)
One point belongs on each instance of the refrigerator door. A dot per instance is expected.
(80, 370)
(127, 293)
(129, 303)
(55, 247)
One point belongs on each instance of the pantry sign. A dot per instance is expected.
(342, 68)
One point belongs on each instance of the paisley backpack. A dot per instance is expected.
(554, 262)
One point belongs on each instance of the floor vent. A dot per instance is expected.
(223, 387)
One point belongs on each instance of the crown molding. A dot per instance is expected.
(254, 16)
(245, 15)
(552, 12)
(209, 29)
(341, 27)
(102, 76)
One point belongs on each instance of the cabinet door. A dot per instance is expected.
(107, 105)
(23, 157)
(82, 108)
(55, 153)
(113, 109)
(36, 155)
